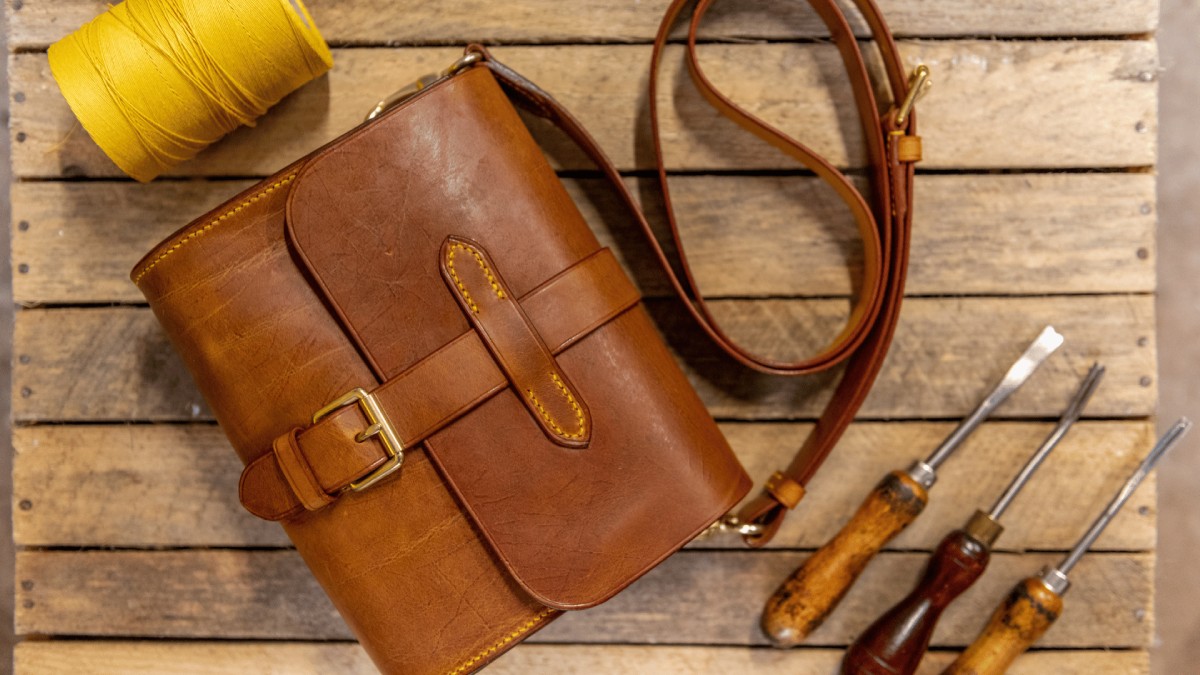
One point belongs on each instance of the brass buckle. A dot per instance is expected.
(378, 425)
(396, 98)
(918, 85)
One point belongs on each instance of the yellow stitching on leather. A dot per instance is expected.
(487, 271)
(524, 628)
(458, 282)
(216, 221)
(579, 417)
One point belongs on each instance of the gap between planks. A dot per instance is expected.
(976, 234)
(1044, 93)
(695, 597)
(299, 658)
(115, 364)
(388, 22)
(187, 476)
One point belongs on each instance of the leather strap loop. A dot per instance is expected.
(884, 223)
(298, 473)
(486, 300)
(785, 490)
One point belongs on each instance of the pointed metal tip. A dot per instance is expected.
(1051, 338)
(1166, 442)
(1047, 342)
(1084, 394)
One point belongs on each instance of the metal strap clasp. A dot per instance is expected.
(731, 523)
(918, 85)
(463, 62)
(378, 425)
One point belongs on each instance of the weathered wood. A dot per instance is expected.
(131, 485)
(301, 658)
(115, 363)
(1049, 514)
(1015, 626)
(1032, 104)
(812, 592)
(176, 485)
(693, 598)
(1065, 238)
(39, 22)
(989, 234)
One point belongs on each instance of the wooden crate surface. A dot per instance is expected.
(1035, 205)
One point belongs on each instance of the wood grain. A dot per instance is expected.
(390, 22)
(985, 234)
(897, 641)
(84, 485)
(1015, 626)
(115, 364)
(1074, 248)
(1044, 92)
(711, 598)
(163, 657)
(813, 591)
(300, 658)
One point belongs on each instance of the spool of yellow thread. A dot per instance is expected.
(156, 81)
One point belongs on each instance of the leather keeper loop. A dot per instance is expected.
(298, 473)
(785, 490)
(908, 148)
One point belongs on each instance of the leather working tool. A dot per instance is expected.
(895, 643)
(451, 396)
(814, 590)
(1037, 602)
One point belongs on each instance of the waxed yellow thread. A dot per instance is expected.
(199, 232)
(487, 271)
(522, 629)
(156, 81)
(554, 426)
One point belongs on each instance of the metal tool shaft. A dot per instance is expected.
(1045, 344)
(1164, 444)
(1069, 417)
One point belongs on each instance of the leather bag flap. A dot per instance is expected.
(575, 518)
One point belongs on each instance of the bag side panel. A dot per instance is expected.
(401, 562)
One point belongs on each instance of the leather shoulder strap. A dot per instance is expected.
(883, 223)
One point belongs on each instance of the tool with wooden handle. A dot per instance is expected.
(1036, 602)
(896, 642)
(808, 596)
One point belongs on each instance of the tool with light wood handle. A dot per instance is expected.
(896, 642)
(808, 596)
(1035, 603)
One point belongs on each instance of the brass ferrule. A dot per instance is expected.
(982, 528)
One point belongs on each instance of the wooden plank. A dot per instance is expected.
(176, 485)
(693, 598)
(1032, 105)
(985, 234)
(307, 658)
(35, 24)
(115, 364)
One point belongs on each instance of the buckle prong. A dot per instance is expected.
(378, 426)
(918, 85)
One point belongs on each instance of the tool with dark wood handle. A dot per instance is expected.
(1036, 602)
(803, 601)
(897, 641)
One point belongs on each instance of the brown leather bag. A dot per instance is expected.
(450, 395)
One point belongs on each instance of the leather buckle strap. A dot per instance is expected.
(379, 426)
(310, 468)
